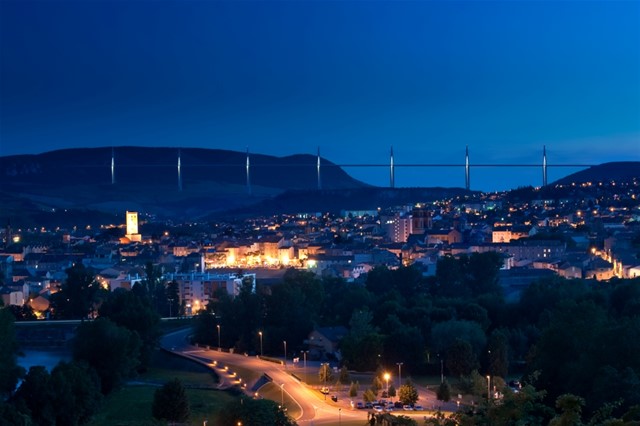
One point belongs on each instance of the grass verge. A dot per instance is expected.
(131, 405)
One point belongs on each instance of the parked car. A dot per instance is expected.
(418, 408)
(359, 405)
(377, 408)
(398, 404)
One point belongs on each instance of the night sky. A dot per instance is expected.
(352, 77)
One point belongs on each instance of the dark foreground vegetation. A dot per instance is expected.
(117, 346)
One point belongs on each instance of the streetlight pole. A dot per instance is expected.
(285, 353)
(488, 387)
(260, 334)
(399, 364)
(325, 368)
(282, 396)
(441, 371)
(340, 416)
(304, 357)
(219, 346)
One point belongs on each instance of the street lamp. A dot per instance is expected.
(339, 416)
(304, 357)
(282, 396)
(260, 334)
(386, 377)
(285, 353)
(399, 364)
(219, 347)
(488, 387)
(325, 372)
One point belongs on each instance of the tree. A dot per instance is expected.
(10, 372)
(570, 407)
(155, 288)
(171, 403)
(22, 313)
(461, 360)
(408, 394)
(498, 351)
(483, 269)
(77, 296)
(113, 351)
(76, 393)
(362, 347)
(405, 344)
(36, 395)
(173, 299)
(344, 375)
(478, 384)
(444, 334)
(253, 412)
(353, 390)
(369, 396)
(522, 408)
(392, 391)
(376, 384)
(10, 415)
(444, 392)
(325, 374)
(134, 312)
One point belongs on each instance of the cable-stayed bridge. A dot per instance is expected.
(466, 166)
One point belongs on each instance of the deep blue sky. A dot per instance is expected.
(354, 78)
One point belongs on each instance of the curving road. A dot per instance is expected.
(314, 408)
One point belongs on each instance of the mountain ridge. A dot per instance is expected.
(214, 183)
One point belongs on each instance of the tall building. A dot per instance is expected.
(422, 220)
(398, 227)
(132, 227)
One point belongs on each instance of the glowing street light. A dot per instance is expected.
(260, 334)
(387, 376)
(219, 347)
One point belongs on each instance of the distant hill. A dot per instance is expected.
(73, 186)
(138, 165)
(146, 180)
(620, 171)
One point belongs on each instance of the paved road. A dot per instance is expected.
(315, 408)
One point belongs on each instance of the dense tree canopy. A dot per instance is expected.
(577, 337)
(10, 372)
(78, 295)
(170, 403)
(113, 351)
(253, 412)
(134, 312)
